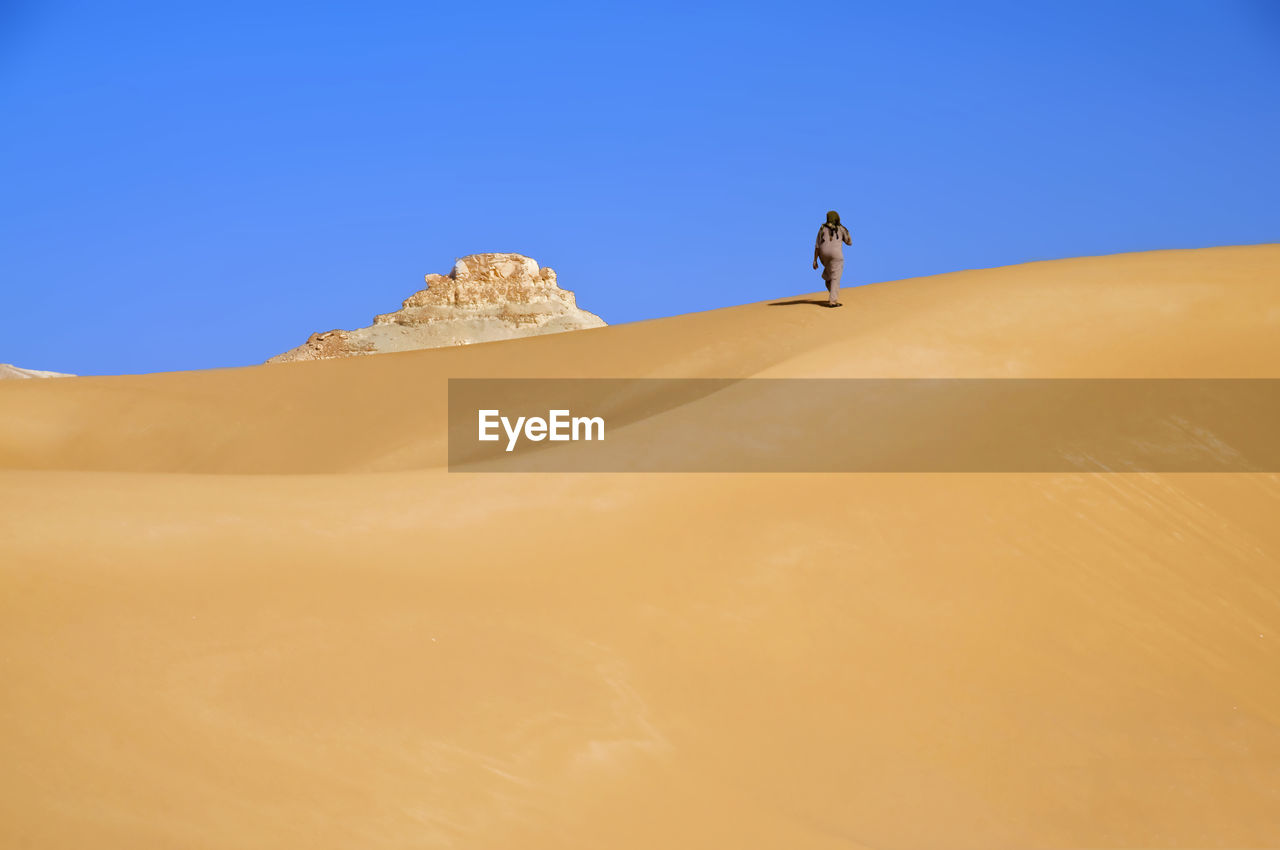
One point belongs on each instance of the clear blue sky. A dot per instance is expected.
(199, 184)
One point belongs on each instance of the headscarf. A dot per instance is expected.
(833, 222)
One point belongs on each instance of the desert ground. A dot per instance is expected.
(252, 608)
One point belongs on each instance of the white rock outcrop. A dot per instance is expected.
(485, 297)
(7, 372)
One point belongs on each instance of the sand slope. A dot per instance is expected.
(248, 607)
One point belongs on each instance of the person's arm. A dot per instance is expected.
(816, 243)
(848, 238)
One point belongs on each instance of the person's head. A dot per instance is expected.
(833, 218)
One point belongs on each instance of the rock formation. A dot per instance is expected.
(8, 371)
(485, 297)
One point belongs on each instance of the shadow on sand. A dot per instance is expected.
(817, 302)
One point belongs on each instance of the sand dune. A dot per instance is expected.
(250, 608)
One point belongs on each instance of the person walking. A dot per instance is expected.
(828, 250)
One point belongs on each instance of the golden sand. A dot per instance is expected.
(250, 608)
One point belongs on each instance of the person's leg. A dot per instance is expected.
(833, 288)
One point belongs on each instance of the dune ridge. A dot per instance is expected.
(250, 608)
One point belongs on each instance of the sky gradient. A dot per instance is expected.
(204, 184)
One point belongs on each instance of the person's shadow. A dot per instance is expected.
(818, 302)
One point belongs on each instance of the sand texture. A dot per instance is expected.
(249, 608)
